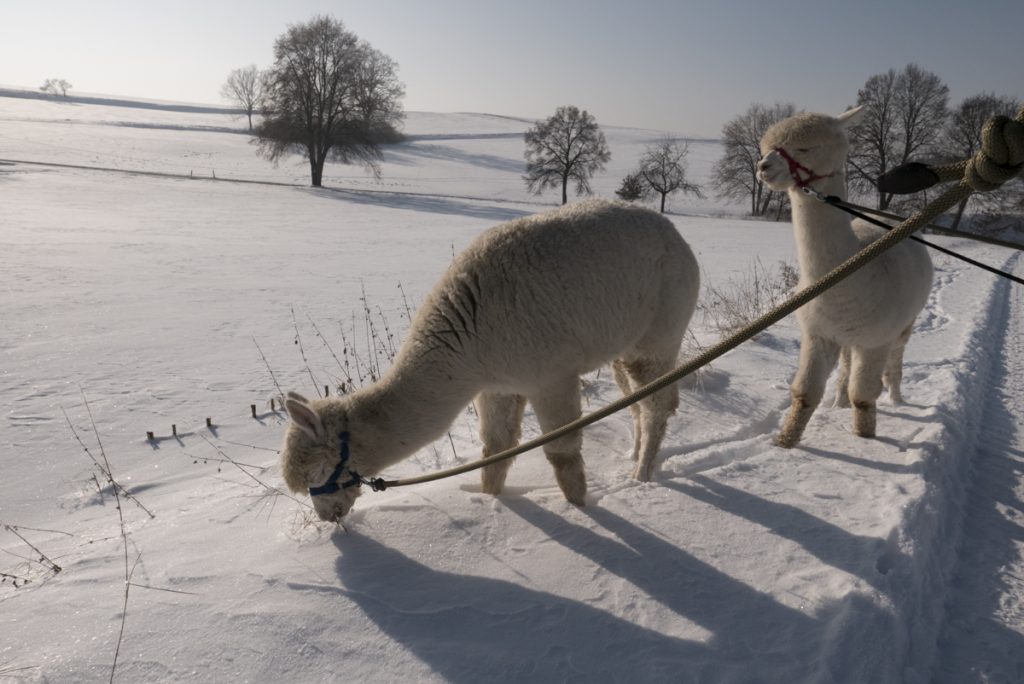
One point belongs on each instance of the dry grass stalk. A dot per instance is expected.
(745, 298)
(117, 489)
(302, 352)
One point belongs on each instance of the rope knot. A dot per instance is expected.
(1001, 157)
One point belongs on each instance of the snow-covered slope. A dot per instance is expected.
(147, 296)
(465, 155)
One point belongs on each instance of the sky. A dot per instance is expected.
(682, 66)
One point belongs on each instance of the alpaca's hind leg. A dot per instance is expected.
(501, 417)
(865, 386)
(654, 412)
(555, 406)
(893, 375)
(624, 383)
(817, 359)
(843, 380)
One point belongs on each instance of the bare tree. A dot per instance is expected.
(906, 112)
(569, 145)
(55, 86)
(962, 139)
(663, 169)
(735, 174)
(244, 88)
(329, 95)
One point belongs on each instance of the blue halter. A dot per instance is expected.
(332, 485)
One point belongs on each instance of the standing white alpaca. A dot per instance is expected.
(866, 319)
(526, 309)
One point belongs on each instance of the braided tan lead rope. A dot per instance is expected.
(1000, 160)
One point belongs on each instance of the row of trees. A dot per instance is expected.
(329, 94)
(569, 146)
(908, 119)
(55, 86)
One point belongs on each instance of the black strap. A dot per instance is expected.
(838, 203)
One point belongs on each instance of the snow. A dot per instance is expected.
(146, 296)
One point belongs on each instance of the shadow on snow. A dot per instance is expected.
(469, 628)
(432, 204)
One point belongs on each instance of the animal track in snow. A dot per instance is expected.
(716, 456)
(933, 318)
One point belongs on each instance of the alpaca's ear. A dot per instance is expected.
(305, 418)
(852, 117)
(298, 397)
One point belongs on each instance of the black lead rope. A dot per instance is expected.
(838, 203)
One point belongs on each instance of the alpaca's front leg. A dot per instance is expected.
(865, 386)
(557, 405)
(501, 418)
(817, 359)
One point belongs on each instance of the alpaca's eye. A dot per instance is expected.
(803, 149)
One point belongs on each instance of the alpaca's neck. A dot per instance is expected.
(824, 238)
(412, 405)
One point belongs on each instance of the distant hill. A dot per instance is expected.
(112, 101)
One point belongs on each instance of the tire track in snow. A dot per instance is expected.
(982, 639)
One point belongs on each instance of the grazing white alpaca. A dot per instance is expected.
(526, 309)
(867, 318)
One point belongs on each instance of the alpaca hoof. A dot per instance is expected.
(493, 483)
(864, 419)
(643, 472)
(577, 501)
(575, 493)
(492, 477)
(865, 432)
(785, 440)
(494, 489)
(573, 484)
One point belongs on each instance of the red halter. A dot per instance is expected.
(795, 168)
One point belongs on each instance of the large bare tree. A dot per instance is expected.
(735, 174)
(567, 146)
(906, 112)
(329, 95)
(244, 87)
(962, 138)
(663, 169)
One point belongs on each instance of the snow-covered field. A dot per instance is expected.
(889, 560)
